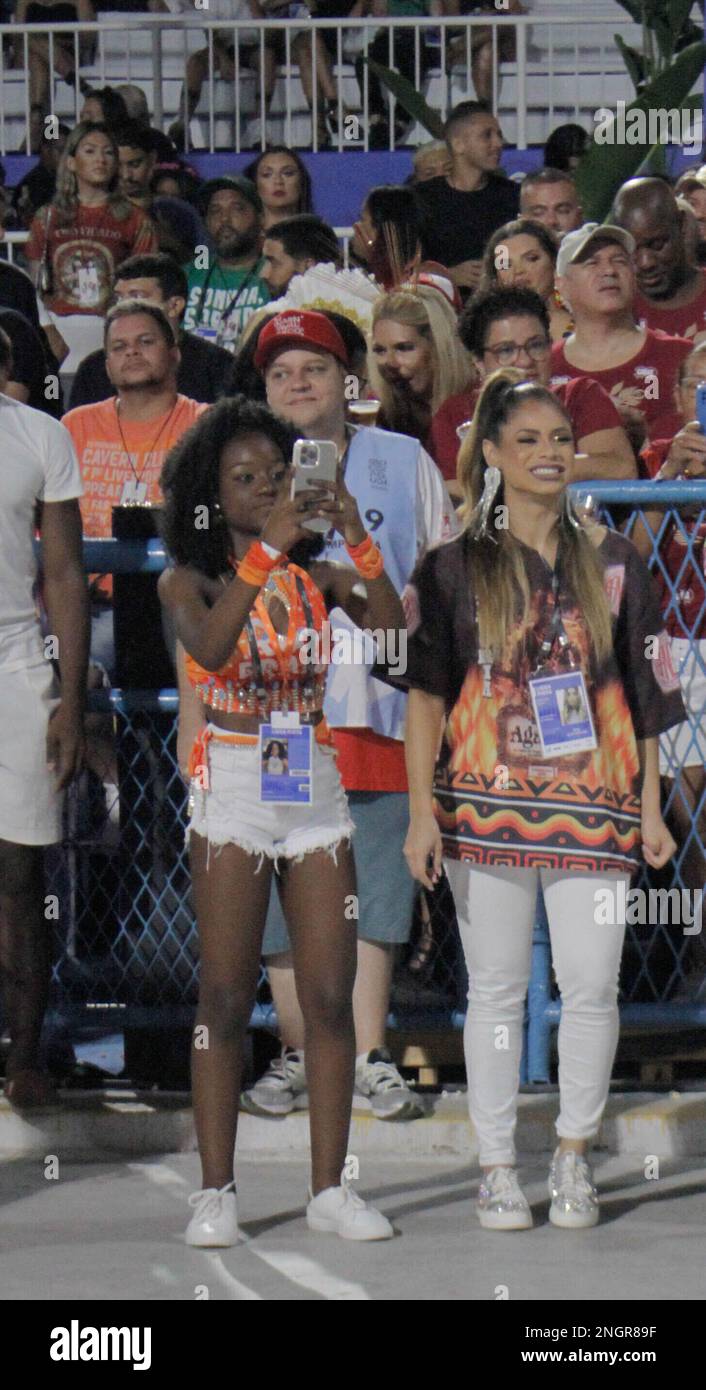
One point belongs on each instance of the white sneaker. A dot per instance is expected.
(215, 1220)
(502, 1205)
(340, 1211)
(574, 1198)
(281, 1089)
(377, 1078)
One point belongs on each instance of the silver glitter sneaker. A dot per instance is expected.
(502, 1205)
(574, 1198)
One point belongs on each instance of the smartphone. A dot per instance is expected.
(315, 463)
(701, 406)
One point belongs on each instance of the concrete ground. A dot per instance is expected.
(113, 1230)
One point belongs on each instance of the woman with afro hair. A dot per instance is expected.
(249, 603)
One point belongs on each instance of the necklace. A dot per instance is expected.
(139, 476)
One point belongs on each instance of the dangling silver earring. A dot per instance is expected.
(569, 515)
(492, 478)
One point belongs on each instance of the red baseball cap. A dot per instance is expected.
(299, 328)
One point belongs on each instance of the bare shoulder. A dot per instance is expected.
(179, 585)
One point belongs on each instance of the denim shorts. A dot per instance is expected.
(230, 811)
(386, 889)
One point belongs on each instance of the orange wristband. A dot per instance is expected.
(367, 558)
(257, 565)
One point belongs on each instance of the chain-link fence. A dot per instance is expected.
(126, 942)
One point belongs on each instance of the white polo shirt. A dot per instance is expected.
(37, 464)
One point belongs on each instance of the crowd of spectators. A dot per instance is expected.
(144, 299)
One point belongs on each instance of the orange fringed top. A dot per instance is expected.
(268, 671)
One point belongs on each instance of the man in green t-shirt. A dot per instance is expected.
(225, 285)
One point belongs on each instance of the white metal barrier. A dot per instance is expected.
(13, 239)
(565, 66)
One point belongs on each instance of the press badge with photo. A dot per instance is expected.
(285, 752)
(563, 713)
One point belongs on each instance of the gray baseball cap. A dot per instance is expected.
(573, 243)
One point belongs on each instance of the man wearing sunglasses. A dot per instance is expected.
(510, 328)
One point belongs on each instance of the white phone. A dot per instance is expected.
(315, 462)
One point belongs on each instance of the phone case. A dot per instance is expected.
(308, 470)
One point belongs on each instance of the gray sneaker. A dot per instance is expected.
(574, 1197)
(281, 1089)
(502, 1205)
(377, 1078)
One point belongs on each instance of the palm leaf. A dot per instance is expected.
(604, 167)
(409, 98)
(633, 60)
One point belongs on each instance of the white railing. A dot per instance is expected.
(567, 58)
(13, 239)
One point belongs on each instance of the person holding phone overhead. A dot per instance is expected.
(507, 617)
(242, 596)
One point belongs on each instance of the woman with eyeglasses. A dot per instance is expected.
(522, 255)
(526, 603)
(510, 328)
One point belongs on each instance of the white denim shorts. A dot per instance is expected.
(230, 811)
(30, 806)
(685, 744)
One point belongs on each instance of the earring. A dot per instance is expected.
(569, 514)
(492, 479)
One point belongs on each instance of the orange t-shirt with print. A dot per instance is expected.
(106, 466)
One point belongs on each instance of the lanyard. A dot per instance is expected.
(229, 307)
(557, 631)
(153, 445)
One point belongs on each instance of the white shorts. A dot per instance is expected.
(231, 813)
(685, 744)
(30, 807)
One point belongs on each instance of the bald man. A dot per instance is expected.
(671, 284)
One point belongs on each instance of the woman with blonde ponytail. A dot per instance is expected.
(537, 645)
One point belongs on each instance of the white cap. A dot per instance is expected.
(573, 243)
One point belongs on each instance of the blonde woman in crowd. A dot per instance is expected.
(416, 359)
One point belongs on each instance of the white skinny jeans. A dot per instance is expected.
(496, 912)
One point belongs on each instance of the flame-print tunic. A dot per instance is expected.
(497, 800)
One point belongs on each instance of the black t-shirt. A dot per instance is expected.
(29, 365)
(202, 373)
(18, 292)
(40, 184)
(459, 225)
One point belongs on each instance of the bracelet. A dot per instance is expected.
(367, 558)
(257, 565)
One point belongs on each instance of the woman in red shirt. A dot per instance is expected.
(77, 241)
(521, 618)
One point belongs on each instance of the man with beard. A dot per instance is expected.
(122, 442)
(671, 284)
(226, 287)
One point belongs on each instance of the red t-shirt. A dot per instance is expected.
(85, 253)
(589, 407)
(689, 582)
(688, 321)
(368, 762)
(646, 381)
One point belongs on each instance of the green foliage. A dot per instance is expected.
(409, 98)
(604, 168)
